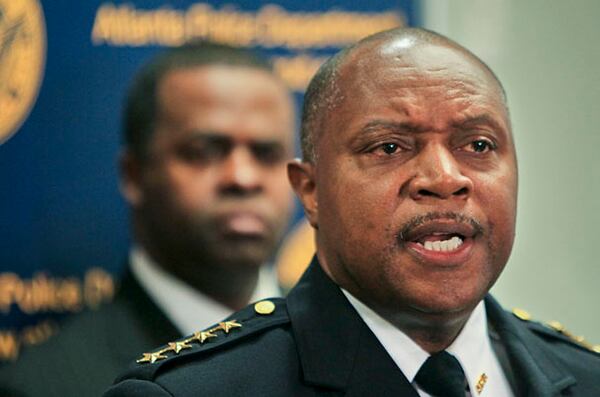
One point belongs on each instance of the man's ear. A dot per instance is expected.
(302, 178)
(130, 172)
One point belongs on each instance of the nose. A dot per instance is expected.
(438, 176)
(240, 173)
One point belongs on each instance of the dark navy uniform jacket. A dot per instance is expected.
(90, 349)
(314, 343)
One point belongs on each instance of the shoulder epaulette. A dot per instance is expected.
(555, 330)
(252, 320)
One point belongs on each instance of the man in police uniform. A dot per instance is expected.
(409, 178)
(208, 132)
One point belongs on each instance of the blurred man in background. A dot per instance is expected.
(208, 130)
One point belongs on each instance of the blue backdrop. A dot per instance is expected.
(61, 213)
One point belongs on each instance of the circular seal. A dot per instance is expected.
(22, 57)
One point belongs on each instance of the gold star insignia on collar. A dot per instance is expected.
(178, 346)
(151, 357)
(226, 326)
(558, 327)
(200, 337)
(521, 314)
(203, 336)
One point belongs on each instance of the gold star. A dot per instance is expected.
(557, 326)
(522, 314)
(151, 358)
(226, 326)
(203, 336)
(178, 346)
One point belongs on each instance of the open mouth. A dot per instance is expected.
(443, 242)
(441, 239)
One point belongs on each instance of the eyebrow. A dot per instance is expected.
(391, 126)
(481, 119)
(408, 127)
(212, 136)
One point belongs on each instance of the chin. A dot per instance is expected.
(246, 255)
(447, 302)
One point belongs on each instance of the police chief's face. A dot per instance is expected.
(416, 180)
(215, 187)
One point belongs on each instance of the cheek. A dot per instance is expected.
(498, 198)
(356, 208)
(190, 188)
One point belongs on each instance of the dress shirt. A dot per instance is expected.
(187, 308)
(472, 347)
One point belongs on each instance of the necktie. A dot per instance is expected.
(442, 376)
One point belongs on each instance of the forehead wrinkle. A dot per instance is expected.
(473, 120)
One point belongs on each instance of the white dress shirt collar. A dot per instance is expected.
(472, 348)
(187, 308)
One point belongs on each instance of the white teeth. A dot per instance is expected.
(444, 245)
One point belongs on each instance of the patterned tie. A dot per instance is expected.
(442, 376)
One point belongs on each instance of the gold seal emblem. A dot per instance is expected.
(22, 56)
(264, 307)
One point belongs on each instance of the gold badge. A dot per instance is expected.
(481, 383)
(22, 57)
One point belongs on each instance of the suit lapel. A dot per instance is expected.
(336, 348)
(538, 371)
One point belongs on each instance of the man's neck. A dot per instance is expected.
(432, 332)
(230, 286)
(433, 338)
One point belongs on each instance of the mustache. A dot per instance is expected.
(419, 220)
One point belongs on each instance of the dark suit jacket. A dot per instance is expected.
(90, 349)
(314, 343)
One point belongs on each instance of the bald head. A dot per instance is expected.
(411, 48)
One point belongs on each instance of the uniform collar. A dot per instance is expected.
(335, 347)
(472, 348)
(539, 371)
(407, 355)
(188, 308)
(337, 350)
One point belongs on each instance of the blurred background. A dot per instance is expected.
(65, 66)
